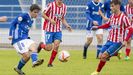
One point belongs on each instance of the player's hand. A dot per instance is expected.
(3, 18)
(94, 28)
(69, 28)
(95, 23)
(105, 19)
(124, 44)
(52, 22)
(10, 38)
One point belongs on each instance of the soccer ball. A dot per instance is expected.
(63, 56)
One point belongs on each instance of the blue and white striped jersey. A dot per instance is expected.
(20, 26)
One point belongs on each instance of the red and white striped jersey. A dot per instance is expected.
(118, 27)
(56, 13)
(129, 12)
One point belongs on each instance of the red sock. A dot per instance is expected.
(100, 66)
(53, 55)
(128, 51)
(115, 54)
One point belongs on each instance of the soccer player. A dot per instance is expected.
(118, 22)
(54, 16)
(93, 19)
(129, 13)
(3, 19)
(107, 12)
(19, 32)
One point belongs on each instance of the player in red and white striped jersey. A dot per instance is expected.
(129, 13)
(119, 24)
(54, 15)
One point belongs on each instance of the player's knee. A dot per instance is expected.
(103, 57)
(26, 57)
(56, 46)
(89, 40)
(48, 48)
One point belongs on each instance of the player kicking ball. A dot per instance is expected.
(18, 33)
(119, 23)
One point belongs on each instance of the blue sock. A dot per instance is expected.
(21, 64)
(34, 56)
(98, 50)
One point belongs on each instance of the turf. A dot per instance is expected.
(75, 66)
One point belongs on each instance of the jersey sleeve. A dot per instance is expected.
(12, 27)
(88, 12)
(65, 11)
(47, 9)
(102, 8)
(126, 21)
(129, 33)
(106, 25)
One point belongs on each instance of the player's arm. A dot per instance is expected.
(104, 26)
(12, 28)
(48, 18)
(129, 34)
(102, 10)
(14, 24)
(66, 24)
(3, 19)
(102, 15)
(47, 11)
(129, 28)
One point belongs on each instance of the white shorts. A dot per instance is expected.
(91, 33)
(23, 45)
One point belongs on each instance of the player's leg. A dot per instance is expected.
(102, 55)
(89, 39)
(99, 35)
(101, 64)
(113, 48)
(48, 41)
(19, 46)
(128, 49)
(34, 55)
(57, 40)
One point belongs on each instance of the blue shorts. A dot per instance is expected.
(111, 47)
(50, 37)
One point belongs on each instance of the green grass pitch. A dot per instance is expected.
(75, 66)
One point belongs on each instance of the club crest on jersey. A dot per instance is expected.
(115, 26)
(59, 16)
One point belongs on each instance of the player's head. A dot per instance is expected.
(115, 5)
(34, 10)
(60, 1)
(130, 2)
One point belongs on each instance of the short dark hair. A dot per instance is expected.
(34, 7)
(116, 2)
